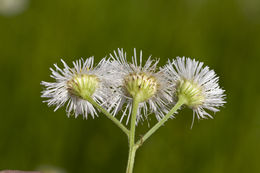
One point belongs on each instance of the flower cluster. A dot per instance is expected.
(114, 83)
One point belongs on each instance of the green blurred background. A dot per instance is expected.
(225, 34)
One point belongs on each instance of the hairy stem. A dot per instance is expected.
(132, 146)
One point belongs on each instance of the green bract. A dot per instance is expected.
(190, 92)
(83, 85)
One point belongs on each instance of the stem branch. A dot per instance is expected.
(160, 123)
(132, 146)
(108, 115)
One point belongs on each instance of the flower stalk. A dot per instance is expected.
(180, 102)
(132, 147)
(108, 115)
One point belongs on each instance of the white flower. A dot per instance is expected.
(196, 84)
(76, 84)
(134, 80)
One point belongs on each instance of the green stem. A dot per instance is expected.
(180, 102)
(111, 117)
(132, 146)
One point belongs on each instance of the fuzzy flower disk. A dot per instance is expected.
(196, 85)
(141, 81)
(141, 86)
(74, 85)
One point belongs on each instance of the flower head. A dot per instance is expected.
(76, 84)
(132, 80)
(196, 85)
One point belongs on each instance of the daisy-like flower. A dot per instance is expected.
(132, 80)
(196, 85)
(75, 85)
